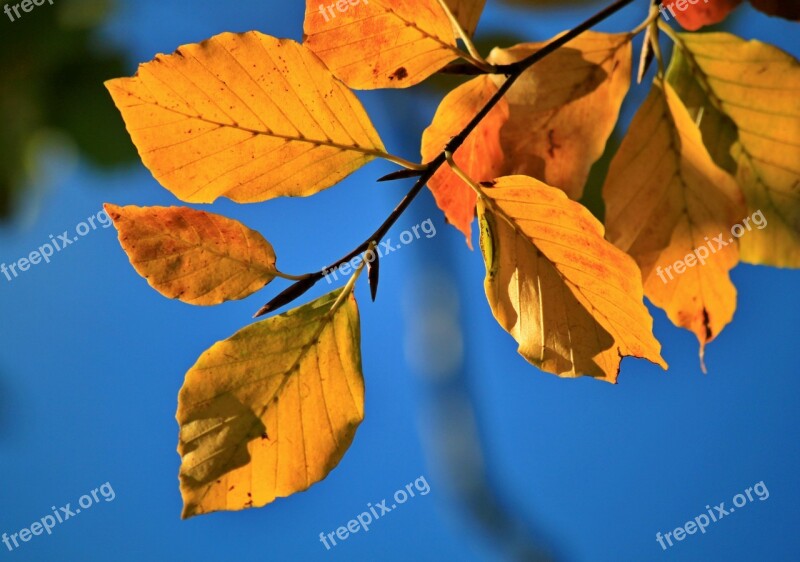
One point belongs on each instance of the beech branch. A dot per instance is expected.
(512, 72)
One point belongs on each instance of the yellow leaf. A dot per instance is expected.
(665, 198)
(564, 108)
(758, 87)
(467, 12)
(383, 43)
(271, 410)
(244, 116)
(197, 257)
(571, 300)
(481, 156)
(719, 132)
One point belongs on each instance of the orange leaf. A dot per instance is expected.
(383, 43)
(564, 108)
(693, 16)
(665, 198)
(570, 299)
(197, 257)
(244, 116)
(481, 156)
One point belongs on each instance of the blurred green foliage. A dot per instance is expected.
(53, 67)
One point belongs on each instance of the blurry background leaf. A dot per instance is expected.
(53, 76)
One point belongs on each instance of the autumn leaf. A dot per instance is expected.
(271, 410)
(719, 132)
(563, 110)
(671, 208)
(756, 86)
(480, 156)
(383, 43)
(244, 116)
(570, 299)
(697, 15)
(197, 257)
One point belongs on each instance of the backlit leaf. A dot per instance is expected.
(571, 299)
(665, 198)
(244, 116)
(271, 410)
(197, 257)
(383, 43)
(757, 86)
(481, 156)
(563, 109)
(719, 132)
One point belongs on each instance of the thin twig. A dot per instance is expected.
(467, 40)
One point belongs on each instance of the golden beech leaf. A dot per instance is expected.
(383, 43)
(719, 132)
(757, 86)
(467, 12)
(571, 299)
(197, 257)
(481, 156)
(245, 116)
(563, 109)
(671, 208)
(271, 410)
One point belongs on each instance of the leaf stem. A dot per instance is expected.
(402, 162)
(477, 59)
(462, 174)
(288, 277)
(651, 17)
(351, 283)
(513, 72)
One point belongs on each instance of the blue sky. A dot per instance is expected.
(93, 360)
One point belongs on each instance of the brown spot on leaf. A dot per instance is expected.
(399, 74)
(551, 150)
(707, 324)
